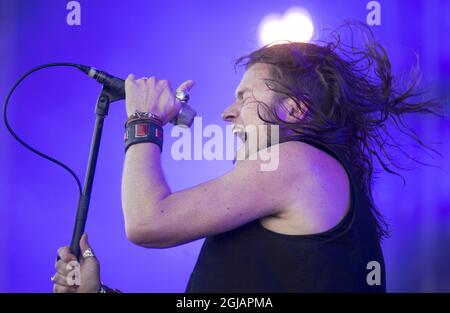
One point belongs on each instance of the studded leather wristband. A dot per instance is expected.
(143, 130)
(144, 115)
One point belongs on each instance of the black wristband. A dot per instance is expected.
(139, 131)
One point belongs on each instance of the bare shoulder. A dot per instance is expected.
(287, 167)
(310, 167)
(288, 158)
(318, 190)
(282, 170)
(314, 160)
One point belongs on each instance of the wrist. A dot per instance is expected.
(143, 130)
(137, 115)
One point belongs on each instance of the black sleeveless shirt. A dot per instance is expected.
(252, 258)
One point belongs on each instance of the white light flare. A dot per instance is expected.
(294, 25)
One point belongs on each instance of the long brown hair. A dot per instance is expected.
(350, 95)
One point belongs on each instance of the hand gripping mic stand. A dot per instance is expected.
(107, 95)
(113, 90)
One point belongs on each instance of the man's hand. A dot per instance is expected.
(154, 96)
(67, 279)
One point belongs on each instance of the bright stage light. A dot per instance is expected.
(294, 25)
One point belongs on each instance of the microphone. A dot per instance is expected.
(185, 116)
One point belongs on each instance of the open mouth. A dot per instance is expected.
(236, 129)
(240, 132)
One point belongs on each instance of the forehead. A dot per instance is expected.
(253, 77)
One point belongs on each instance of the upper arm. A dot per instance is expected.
(244, 194)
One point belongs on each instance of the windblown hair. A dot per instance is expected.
(348, 95)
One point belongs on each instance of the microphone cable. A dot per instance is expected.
(21, 141)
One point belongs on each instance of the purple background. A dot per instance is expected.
(178, 40)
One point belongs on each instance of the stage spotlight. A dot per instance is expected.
(294, 25)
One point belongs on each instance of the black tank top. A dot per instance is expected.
(252, 258)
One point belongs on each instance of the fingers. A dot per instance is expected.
(165, 88)
(132, 79)
(151, 84)
(187, 85)
(57, 288)
(84, 244)
(129, 80)
(161, 83)
(61, 283)
(154, 84)
(64, 268)
(66, 255)
(147, 81)
(153, 95)
(61, 280)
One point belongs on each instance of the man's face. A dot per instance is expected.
(243, 112)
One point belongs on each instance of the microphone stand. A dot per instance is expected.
(107, 95)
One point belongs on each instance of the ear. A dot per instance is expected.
(290, 112)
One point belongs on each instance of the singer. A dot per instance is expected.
(311, 225)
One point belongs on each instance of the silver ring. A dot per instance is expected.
(88, 253)
(145, 78)
(182, 96)
(52, 278)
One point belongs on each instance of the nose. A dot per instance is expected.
(230, 113)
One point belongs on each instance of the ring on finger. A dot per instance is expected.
(88, 253)
(182, 96)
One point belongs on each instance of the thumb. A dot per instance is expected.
(186, 86)
(84, 244)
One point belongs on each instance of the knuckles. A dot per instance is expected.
(63, 267)
(65, 254)
(62, 289)
(151, 81)
(163, 83)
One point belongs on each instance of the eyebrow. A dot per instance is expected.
(239, 93)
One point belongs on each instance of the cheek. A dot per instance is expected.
(249, 114)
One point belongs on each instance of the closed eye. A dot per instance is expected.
(241, 93)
